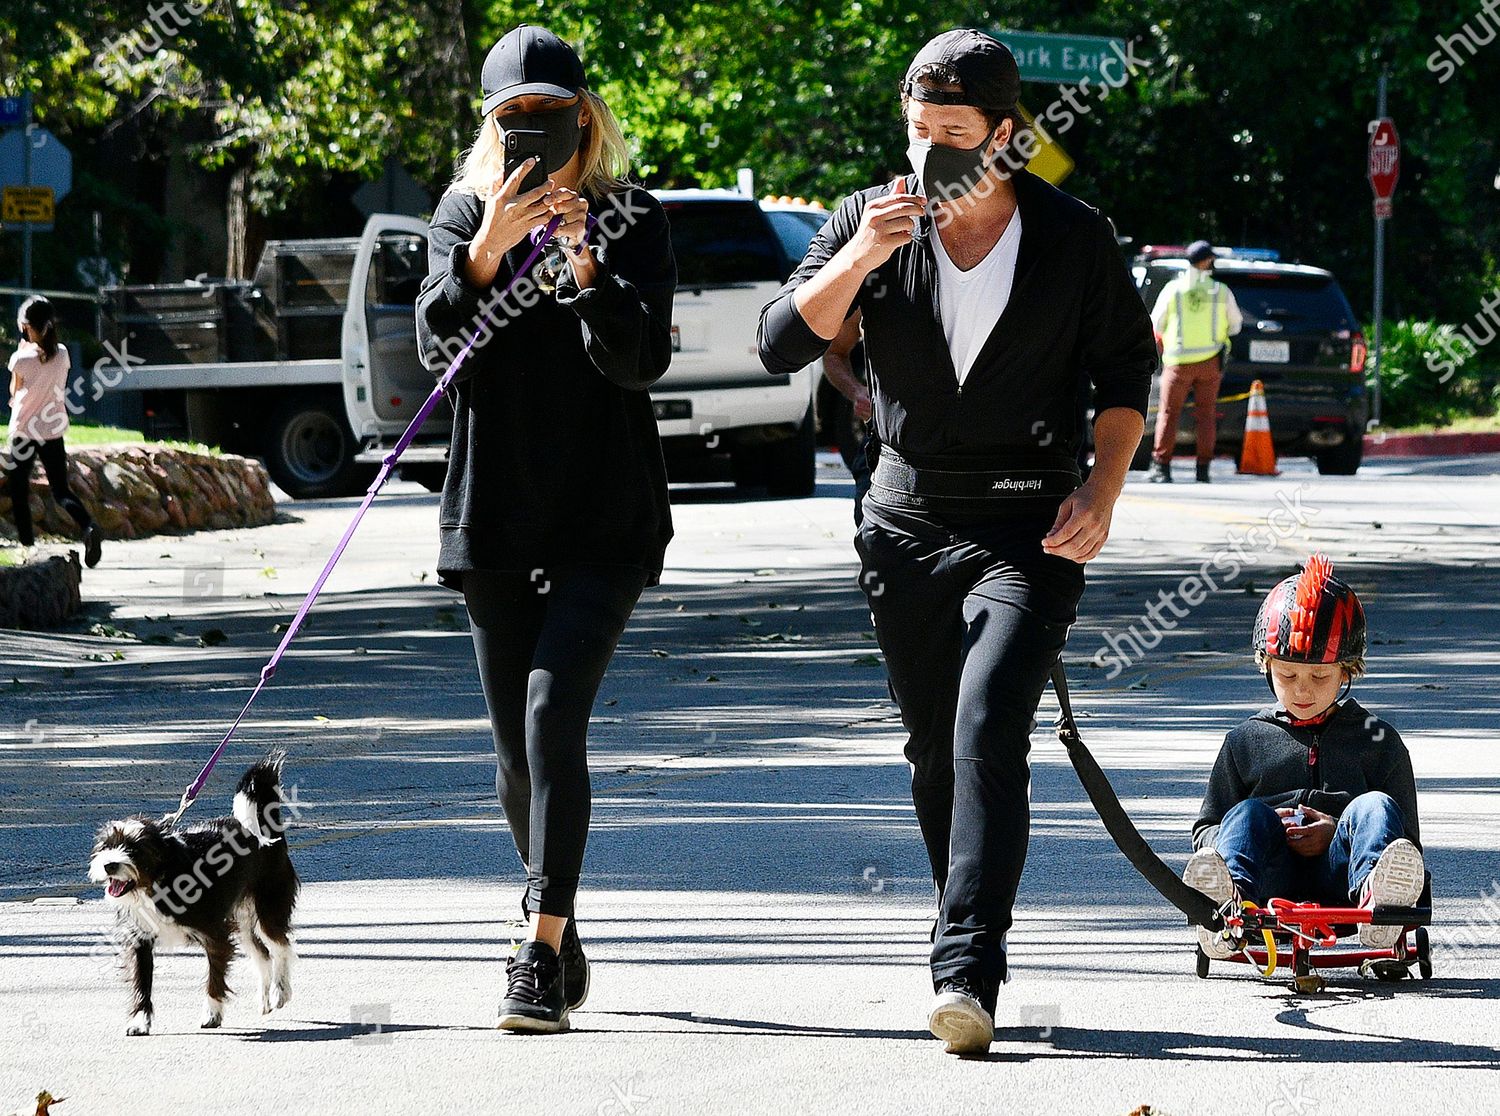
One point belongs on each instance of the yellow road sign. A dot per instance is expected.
(26, 204)
(1050, 162)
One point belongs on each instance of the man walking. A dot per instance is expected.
(1195, 315)
(986, 297)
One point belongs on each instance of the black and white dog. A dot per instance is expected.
(202, 885)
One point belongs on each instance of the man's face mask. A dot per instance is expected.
(948, 173)
(561, 126)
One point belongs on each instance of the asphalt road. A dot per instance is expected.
(755, 898)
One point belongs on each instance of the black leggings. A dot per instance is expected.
(543, 642)
(23, 454)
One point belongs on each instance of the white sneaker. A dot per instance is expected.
(1207, 872)
(1395, 881)
(960, 1020)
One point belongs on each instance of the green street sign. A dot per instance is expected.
(1064, 59)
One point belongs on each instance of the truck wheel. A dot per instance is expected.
(1343, 460)
(792, 463)
(310, 449)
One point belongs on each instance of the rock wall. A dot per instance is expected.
(134, 491)
(39, 594)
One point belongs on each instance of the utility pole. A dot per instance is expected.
(1379, 266)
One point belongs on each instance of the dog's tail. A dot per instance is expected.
(258, 802)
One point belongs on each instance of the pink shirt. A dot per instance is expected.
(38, 410)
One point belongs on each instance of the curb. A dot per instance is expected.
(1430, 445)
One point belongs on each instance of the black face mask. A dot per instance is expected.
(948, 173)
(561, 126)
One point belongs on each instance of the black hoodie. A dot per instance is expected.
(1324, 766)
(555, 457)
(1073, 318)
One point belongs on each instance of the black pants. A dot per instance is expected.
(23, 455)
(543, 643)
(971, 614)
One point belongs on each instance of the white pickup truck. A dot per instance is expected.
(262, 368)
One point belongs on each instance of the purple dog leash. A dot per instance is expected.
(381, 477)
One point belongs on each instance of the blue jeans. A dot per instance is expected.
(1253, 843)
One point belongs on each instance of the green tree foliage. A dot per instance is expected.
(1248, 125)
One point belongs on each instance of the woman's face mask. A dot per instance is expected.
(561, 126)
(948, 173)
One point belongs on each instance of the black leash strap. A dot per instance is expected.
(1199, 908)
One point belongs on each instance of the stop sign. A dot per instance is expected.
(1384, 161)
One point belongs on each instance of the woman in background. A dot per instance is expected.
(38, 419)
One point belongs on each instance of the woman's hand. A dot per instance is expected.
(508, 217)
(573, 208)
(1313, 836)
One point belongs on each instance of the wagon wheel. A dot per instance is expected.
(1202, 962)
(1304, 980)
(1424, 954)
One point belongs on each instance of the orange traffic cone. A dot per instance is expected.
(1258, 457)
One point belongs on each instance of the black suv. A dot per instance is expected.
(1300, 338)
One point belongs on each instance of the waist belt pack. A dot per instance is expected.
(895, 480)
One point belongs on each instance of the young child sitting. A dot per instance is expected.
(1312, 799)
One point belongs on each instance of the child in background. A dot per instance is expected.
(38, 419)
(1312, 799)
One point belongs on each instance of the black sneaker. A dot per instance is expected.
(1160, 472)
(93, 540)
(534, 991)
(575, 967)
(962, 1016)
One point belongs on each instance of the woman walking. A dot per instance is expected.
(554, 515)
(38, 420)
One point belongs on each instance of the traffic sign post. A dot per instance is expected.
(1062, 59)
(36, 172)
(1384, 170)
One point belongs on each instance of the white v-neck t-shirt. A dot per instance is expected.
(972, 301)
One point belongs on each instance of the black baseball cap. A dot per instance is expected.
(988, 77)
(530, 59)
(1200, 250)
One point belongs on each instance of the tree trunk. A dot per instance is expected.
(238, 217)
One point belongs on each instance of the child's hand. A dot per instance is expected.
(1313, 836)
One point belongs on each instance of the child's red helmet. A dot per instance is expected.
(1312, 617)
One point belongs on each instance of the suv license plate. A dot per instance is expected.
(1270, 352)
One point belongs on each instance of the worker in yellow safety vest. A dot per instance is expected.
(1195, 316)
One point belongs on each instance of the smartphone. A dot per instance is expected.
(520, 145)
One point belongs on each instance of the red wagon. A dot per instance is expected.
(1304, 937)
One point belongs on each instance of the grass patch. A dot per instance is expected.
(1467, 424)
(9, 556)
(94, 434)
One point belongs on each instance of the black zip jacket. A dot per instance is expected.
(1323, 766)
(555, 456)
(1073, 317)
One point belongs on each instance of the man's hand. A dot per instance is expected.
(1313, 836)
(885, 225)
(1082, 525)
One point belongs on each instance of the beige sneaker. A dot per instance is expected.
(1207, 872)
(1395, 881)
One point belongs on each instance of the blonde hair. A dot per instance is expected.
(606, 155)
(1353, 668)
